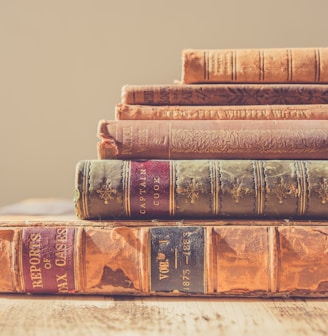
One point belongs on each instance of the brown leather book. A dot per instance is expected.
(213, 139)
(163, 189)
(67, 256)
(225, 94)
(271, 65)
(227, 112)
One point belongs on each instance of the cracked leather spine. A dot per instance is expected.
(213, 258)
(164, 189)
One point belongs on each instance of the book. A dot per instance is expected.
(270, 65)
(212, 139)
(224, 94)
(163, 189)
(67, 256)
(227, 112)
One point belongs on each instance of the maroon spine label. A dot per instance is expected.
(150, 189)
(48, 259)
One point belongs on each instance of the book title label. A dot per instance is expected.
(150, 189)
(177, 259)
(47, 260)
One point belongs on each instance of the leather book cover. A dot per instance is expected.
(268, 65)
(58, 256)
(163, 189)
(213, 139)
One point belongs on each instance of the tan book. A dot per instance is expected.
(213, 139)
(271, 65)
(231, 258)
(227, 112)
(181, 189)
(224, 94)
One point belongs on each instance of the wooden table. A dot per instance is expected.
(60, 315)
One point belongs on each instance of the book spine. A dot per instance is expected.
(213, 139)
(229, 112)
(165, 261)
(276, 65)
(225, 94)
(213, 189)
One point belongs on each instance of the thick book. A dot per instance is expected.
(270, 65)
(58, 256)
(227, 112)
(213, 139)
(224, 94)
(163, 189)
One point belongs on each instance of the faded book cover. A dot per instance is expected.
(270, 65)
(227, 112)
(224, 94)
(69, 257)
(213, 139)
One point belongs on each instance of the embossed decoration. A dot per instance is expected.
(323, 190)
(246, 141)
(191, 190)
(237, 189)
(282, 189)
(106, 191)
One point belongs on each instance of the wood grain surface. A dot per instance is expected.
(60, 315)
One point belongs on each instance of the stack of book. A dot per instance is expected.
(216, 186)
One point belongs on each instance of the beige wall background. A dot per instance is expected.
(63, 63)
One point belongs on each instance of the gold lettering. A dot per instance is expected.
(35, 237)
(142, 140)
(61, 247)
(61, 235)
(60, 259)
(164, 266)
(37, 283)
(35, 252)
(61, 277)
(127, 140)
(33, 268)
(164, 269)
(142, 190)
(36, 276)
(62, 283)
(35, 259)
(156, 188)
